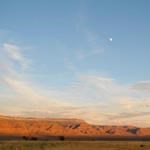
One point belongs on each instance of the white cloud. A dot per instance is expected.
(95, 99)
(15, 53)
(104, 98)
(23, 94)
(142, 86)
(93, 47)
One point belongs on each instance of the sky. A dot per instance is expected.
(86, 59)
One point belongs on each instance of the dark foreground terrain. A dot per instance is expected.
(74, 145)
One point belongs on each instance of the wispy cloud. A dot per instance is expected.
(103, 98)
(23, 94)
(94, 98)
(15, 53)
(142, 86)
(92, 39)
(93, 48)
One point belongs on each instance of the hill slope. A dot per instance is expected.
(33, 127)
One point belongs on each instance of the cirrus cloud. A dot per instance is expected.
(94, 98)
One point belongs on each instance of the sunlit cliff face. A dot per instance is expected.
(44, 127)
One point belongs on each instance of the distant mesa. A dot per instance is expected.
(38, 128)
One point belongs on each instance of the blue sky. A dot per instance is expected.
(76, 54)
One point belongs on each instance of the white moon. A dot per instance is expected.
(110, 39)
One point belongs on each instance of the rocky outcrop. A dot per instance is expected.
(32, 127)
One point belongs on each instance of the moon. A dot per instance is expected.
(110, 39)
